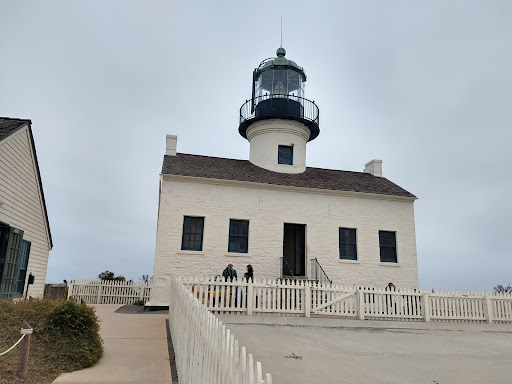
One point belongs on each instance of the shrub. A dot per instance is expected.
(502, 289)
(107, 275)
(66, 338)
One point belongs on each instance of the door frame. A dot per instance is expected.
(305, 247)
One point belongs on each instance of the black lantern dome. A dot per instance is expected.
(278, 93)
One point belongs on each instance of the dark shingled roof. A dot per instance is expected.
(9, 125)
(242, 170)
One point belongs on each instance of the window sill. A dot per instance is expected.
(349, 261)
(236, 254)
(198, 253)
(389, 264)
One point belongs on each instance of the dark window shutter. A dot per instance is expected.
(24, 253)
(8, 279)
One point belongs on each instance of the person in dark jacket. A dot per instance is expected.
(229, 273)
(390, 305)
(249, 274)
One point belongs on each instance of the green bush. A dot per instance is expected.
(66, 338)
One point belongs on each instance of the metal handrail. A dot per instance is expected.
(323, 277)
(288, 265)
(310, 111)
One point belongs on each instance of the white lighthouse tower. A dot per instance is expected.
(278, 121)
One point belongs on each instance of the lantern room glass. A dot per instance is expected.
(279, 83)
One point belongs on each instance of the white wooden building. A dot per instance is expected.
(274, 212)
(25, 238)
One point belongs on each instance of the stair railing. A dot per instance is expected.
(318, 273)
(283, 262)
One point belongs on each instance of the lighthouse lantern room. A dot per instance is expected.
(278, 120)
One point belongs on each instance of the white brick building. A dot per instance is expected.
(273, 212)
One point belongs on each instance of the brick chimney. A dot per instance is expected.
(171, 142)
(374, 167)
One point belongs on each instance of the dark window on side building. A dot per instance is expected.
(22, 265)
(14, 255)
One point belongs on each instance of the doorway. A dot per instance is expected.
(294, 250)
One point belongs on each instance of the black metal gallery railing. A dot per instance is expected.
(318, 273)
(284, 105)
(280, 107)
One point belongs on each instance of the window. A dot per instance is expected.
(348, 248)
(285, 155)
(238, 236)
(192, 239)
(22, 265)
(387, 243)
(14, 254)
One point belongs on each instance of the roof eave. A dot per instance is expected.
(23, 124)
(40, 185)
(252, 184)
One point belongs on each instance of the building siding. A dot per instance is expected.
(267, 209)
(21, 204)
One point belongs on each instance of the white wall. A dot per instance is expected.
(20, 202)
(266, 136)
(267, 209)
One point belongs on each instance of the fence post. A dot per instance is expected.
(70, 289)
(98, 301)
(360, 307)
(143, 287)
(488, 308)
(24, 349)
(307, 300)
(249, 297)
(426, 307)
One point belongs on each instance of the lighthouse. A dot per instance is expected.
(272, 212)
(278, 121)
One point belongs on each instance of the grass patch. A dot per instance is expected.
(66, 338)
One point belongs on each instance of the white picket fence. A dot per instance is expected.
(307, 298)
(108, 291)
(207, 352)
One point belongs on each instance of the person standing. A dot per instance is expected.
(390, 305)
(229, 273)
(249, 274)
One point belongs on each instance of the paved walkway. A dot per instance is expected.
(135, 350)
(383, 352)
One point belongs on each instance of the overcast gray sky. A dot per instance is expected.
(424, 85)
